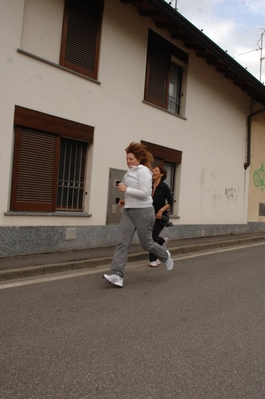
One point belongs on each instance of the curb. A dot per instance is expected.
(42, 270)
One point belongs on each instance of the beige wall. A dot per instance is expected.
(42, 28)
(213, 185)
(257, 169)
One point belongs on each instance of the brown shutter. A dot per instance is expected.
(157, 76)
(81, 37)
(39, 121)
(34, 171)
(165, 153)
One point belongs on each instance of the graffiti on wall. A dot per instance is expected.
(259, 177)
(232, 193)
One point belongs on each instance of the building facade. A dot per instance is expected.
(81, 80)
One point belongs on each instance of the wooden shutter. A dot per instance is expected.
(165, 153)
(157, 76)
(34, 171)
(39, 121)
(81, 36)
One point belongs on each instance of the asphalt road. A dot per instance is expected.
(197, 332)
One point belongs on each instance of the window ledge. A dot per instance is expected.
(165, 110)
(36, 57)
(65, 214)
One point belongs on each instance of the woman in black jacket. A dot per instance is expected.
(162, 203)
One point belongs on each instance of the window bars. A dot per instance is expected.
(70, 189)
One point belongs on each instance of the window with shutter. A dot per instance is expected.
(49, 162)
(157, 76)
(171, 160)
(81, 36)
(164, 74)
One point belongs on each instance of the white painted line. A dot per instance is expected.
(48, 278)
(216, 251)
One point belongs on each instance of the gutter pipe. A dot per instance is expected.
(249, 120)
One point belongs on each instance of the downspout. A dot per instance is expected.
(246, 164)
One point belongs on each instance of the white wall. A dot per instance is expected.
(212, 138)
(214, 151)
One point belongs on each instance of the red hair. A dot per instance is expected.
(141, 154)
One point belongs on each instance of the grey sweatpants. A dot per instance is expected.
(141, 220)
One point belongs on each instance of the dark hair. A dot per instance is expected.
(163, 171)
(141, 154)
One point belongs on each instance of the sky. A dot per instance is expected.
(237, 26)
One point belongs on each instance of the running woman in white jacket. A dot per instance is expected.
(138, 214)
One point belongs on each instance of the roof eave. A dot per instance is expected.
(180, 28)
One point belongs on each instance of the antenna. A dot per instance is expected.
(176, 4)
(260, 48)
(250, 51)
(261, 51)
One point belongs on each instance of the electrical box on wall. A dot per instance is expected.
(114, 211)
(261, 209)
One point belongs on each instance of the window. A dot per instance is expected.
(49, 162)
(81, 36)
(170, 159)
(71, 183)
(165, 74)
(174, 92)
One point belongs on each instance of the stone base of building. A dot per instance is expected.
(34, 240)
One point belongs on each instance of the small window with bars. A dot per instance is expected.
(164, 77)
(70, 186)
(174, 90)
(170, 159)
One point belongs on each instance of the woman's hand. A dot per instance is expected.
(122, 187)
(161, 211)
(121, 203)
(159, 214)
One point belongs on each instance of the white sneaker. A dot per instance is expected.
(169, 262)
(165, 243)
(155, 263)
(114, 279)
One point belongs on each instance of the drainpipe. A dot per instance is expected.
(246, 164)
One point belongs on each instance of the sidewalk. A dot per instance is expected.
(42, 264)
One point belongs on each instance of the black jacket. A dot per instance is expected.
(162, 196)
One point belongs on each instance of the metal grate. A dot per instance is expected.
(70, 188)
